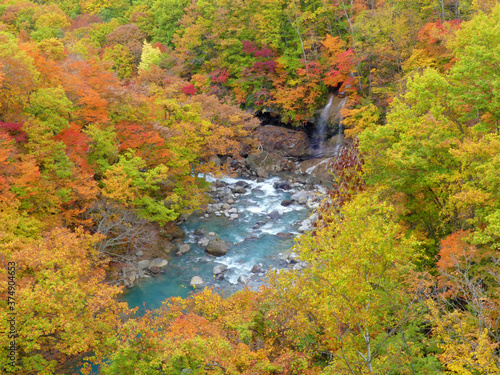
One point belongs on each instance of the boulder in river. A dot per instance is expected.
(196, 281)
(286, 202)
(217, 247)
(158, 262)
(300, 197)
(239, 189)
(257, 268)
(219, 269)
(183, 249)
(204, 241)
(275, 215)
(242, 183)
(243, 279)
(283, 185)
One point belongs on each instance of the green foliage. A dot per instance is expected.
(166, 19)
(129, 183)
(103, 148)
(51, 107)
(475, 77)
(99, 31)
(122, 60)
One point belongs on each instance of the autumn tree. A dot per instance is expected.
(355, 297)
(64, 308)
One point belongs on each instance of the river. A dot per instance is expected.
(263, 232)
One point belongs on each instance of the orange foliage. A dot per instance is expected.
(146, 141)
(454, 250)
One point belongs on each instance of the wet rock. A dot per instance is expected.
(286, 202)
(196, 281)
(275, 215)
(158, 262)
(257, 269)
(184, 249)
(155, 270)
(258, 192)
(318, 168)
(217, 247)
(300, 196)
(219, 184)
(234, 217)
(284, 235)
(132, 276)
(239, 190)
(283, 185)
(200, 232)
(242, 184)
(243, 279)
(203, 242)
(219, 269)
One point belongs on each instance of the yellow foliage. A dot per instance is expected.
(419, 59)
(54, 20)
(118, 185)
(358, 119)
(467, 348)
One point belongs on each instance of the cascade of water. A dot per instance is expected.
(321, 128)
(331, 113)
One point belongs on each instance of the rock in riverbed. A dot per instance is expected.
(217, 247)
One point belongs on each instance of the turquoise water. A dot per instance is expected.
(248, 246)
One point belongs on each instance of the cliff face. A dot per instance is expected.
(284, 142)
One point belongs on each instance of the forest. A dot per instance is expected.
(111, 110)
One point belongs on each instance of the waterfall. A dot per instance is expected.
(331, 113)
(322, 127)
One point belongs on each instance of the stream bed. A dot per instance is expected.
(262, 233)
